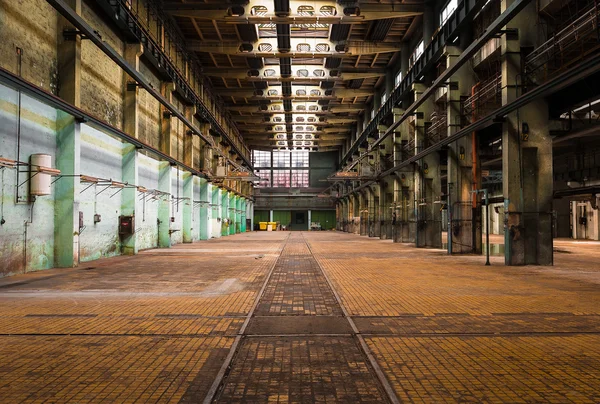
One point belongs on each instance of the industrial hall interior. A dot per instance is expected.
(300, 201)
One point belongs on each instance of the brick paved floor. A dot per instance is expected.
(172, 325)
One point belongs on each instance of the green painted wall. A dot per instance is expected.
(261, 216)
(282, 216)
(325, 217)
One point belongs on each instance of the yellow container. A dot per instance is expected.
(262, 226)
(273, 225)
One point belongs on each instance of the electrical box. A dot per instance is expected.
(97, 218)
(126, 225)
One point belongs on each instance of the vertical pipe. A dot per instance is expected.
(19, 71)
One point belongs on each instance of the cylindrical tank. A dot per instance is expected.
(39, 183)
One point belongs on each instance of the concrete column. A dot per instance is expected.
(404, 58)
(527, 177)
(373, 208)
(205, 211)
(353, 213)
(69, 60)
(188, 207)
(309, 218)
(270, 215)
(191, 143)
(427, 181)
(238, 214)
(251, 214)
(364, 213)
(232, 204)
(132, 55)
(224, 212)
(464, 229)
(244, 209)
(129, 198)
(347, 213)
(216, 211)
(67, 190)
(386, 207)
(164, 204)
(167, 145)
(406, 219)
(429, 22)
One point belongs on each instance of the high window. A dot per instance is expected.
(447, 11)
(300, 178)
(416, 54)
(261, 158)
(281, 178)
(398, 78)
(288, 169)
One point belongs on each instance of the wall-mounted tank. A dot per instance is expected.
(39, 179)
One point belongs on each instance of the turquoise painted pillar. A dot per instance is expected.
(232, 201)
(224, 212)
(205, 200)
(188, 207)
(243, 215)
(66, 191)
(164, 205)
(129, 245)
(238, 216)
(216, 211)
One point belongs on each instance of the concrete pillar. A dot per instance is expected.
(231, 211)
(464, 227)
(406, 218)
(164, 204)
(191, 143)
(167, 145)
(527, 177)
(188, 207)
(238, 214)
(270, 215)
(404, 58)
(250, 213)
(354, 212)
(69, 59)
(66, 192)
(216, 211)
(129, 197)
(309, 218)
(205, 211)
(364, 213)
(132, 55)
(224, 212)
(428, 184)
(244, 210)
(429, 22)
(386, 207)
(373, 211)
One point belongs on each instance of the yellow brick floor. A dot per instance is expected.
(157, 327)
